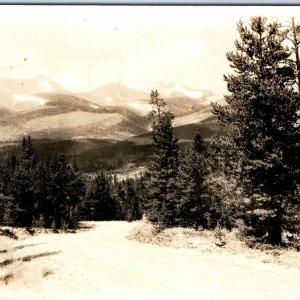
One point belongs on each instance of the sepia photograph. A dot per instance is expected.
(149, 152)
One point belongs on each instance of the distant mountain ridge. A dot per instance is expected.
(114, 92)
(105, 128)
(15, 92)
(45, 109)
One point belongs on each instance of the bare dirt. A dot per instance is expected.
(100, 262)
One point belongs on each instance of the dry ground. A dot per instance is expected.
(102, 263)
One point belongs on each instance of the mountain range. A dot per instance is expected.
(104, 117)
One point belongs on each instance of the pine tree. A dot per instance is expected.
(262, 108)
(28, 156)
(294, 37)
(191, 210)
(142, 192)
(119, 196)
(134, 205)
(7, 173)
(21, 186)
(42, 194)
(163, 168)
(100, 206)
(76, 190)
(222, 189)
(65, 190)
(9, 210)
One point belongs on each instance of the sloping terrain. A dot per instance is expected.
(67, 116)
(115, 93)
(91, 155)
(102, 150)
(102, 263)
(114, 114)
(208, 128)
(194, 117)
(44, 109)
(21, 94)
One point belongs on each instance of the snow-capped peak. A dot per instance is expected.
(17, 98)
(45, 85)
(189, 92)
(143, 108)
(170, 90)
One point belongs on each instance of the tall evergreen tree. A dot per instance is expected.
(262, 108)
(142, 192)
(133, 201)
(222, 188)
(9, 210)
(119, 196)
(7, 173)
(65, 190)
(28, 156)
(42, 192)
(163, 168)
(22, 184)
(294, 37)
(191, 210)
(99, 204)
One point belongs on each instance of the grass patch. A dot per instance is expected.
(177, 237)
(6, 278)
(8, 233)
(31, 257)
(218, 241)
(6, 262)
(24, 246)
(143, 234)
(47, 273)
(27, 258)
(31, 231)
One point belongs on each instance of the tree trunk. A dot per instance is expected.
(296, 45)
(275, 231)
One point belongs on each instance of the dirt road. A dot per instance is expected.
(101, 263)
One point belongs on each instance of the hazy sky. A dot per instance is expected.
(83, 47)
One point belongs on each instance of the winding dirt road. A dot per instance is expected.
(101, 263)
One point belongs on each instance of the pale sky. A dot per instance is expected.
(83, 47)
